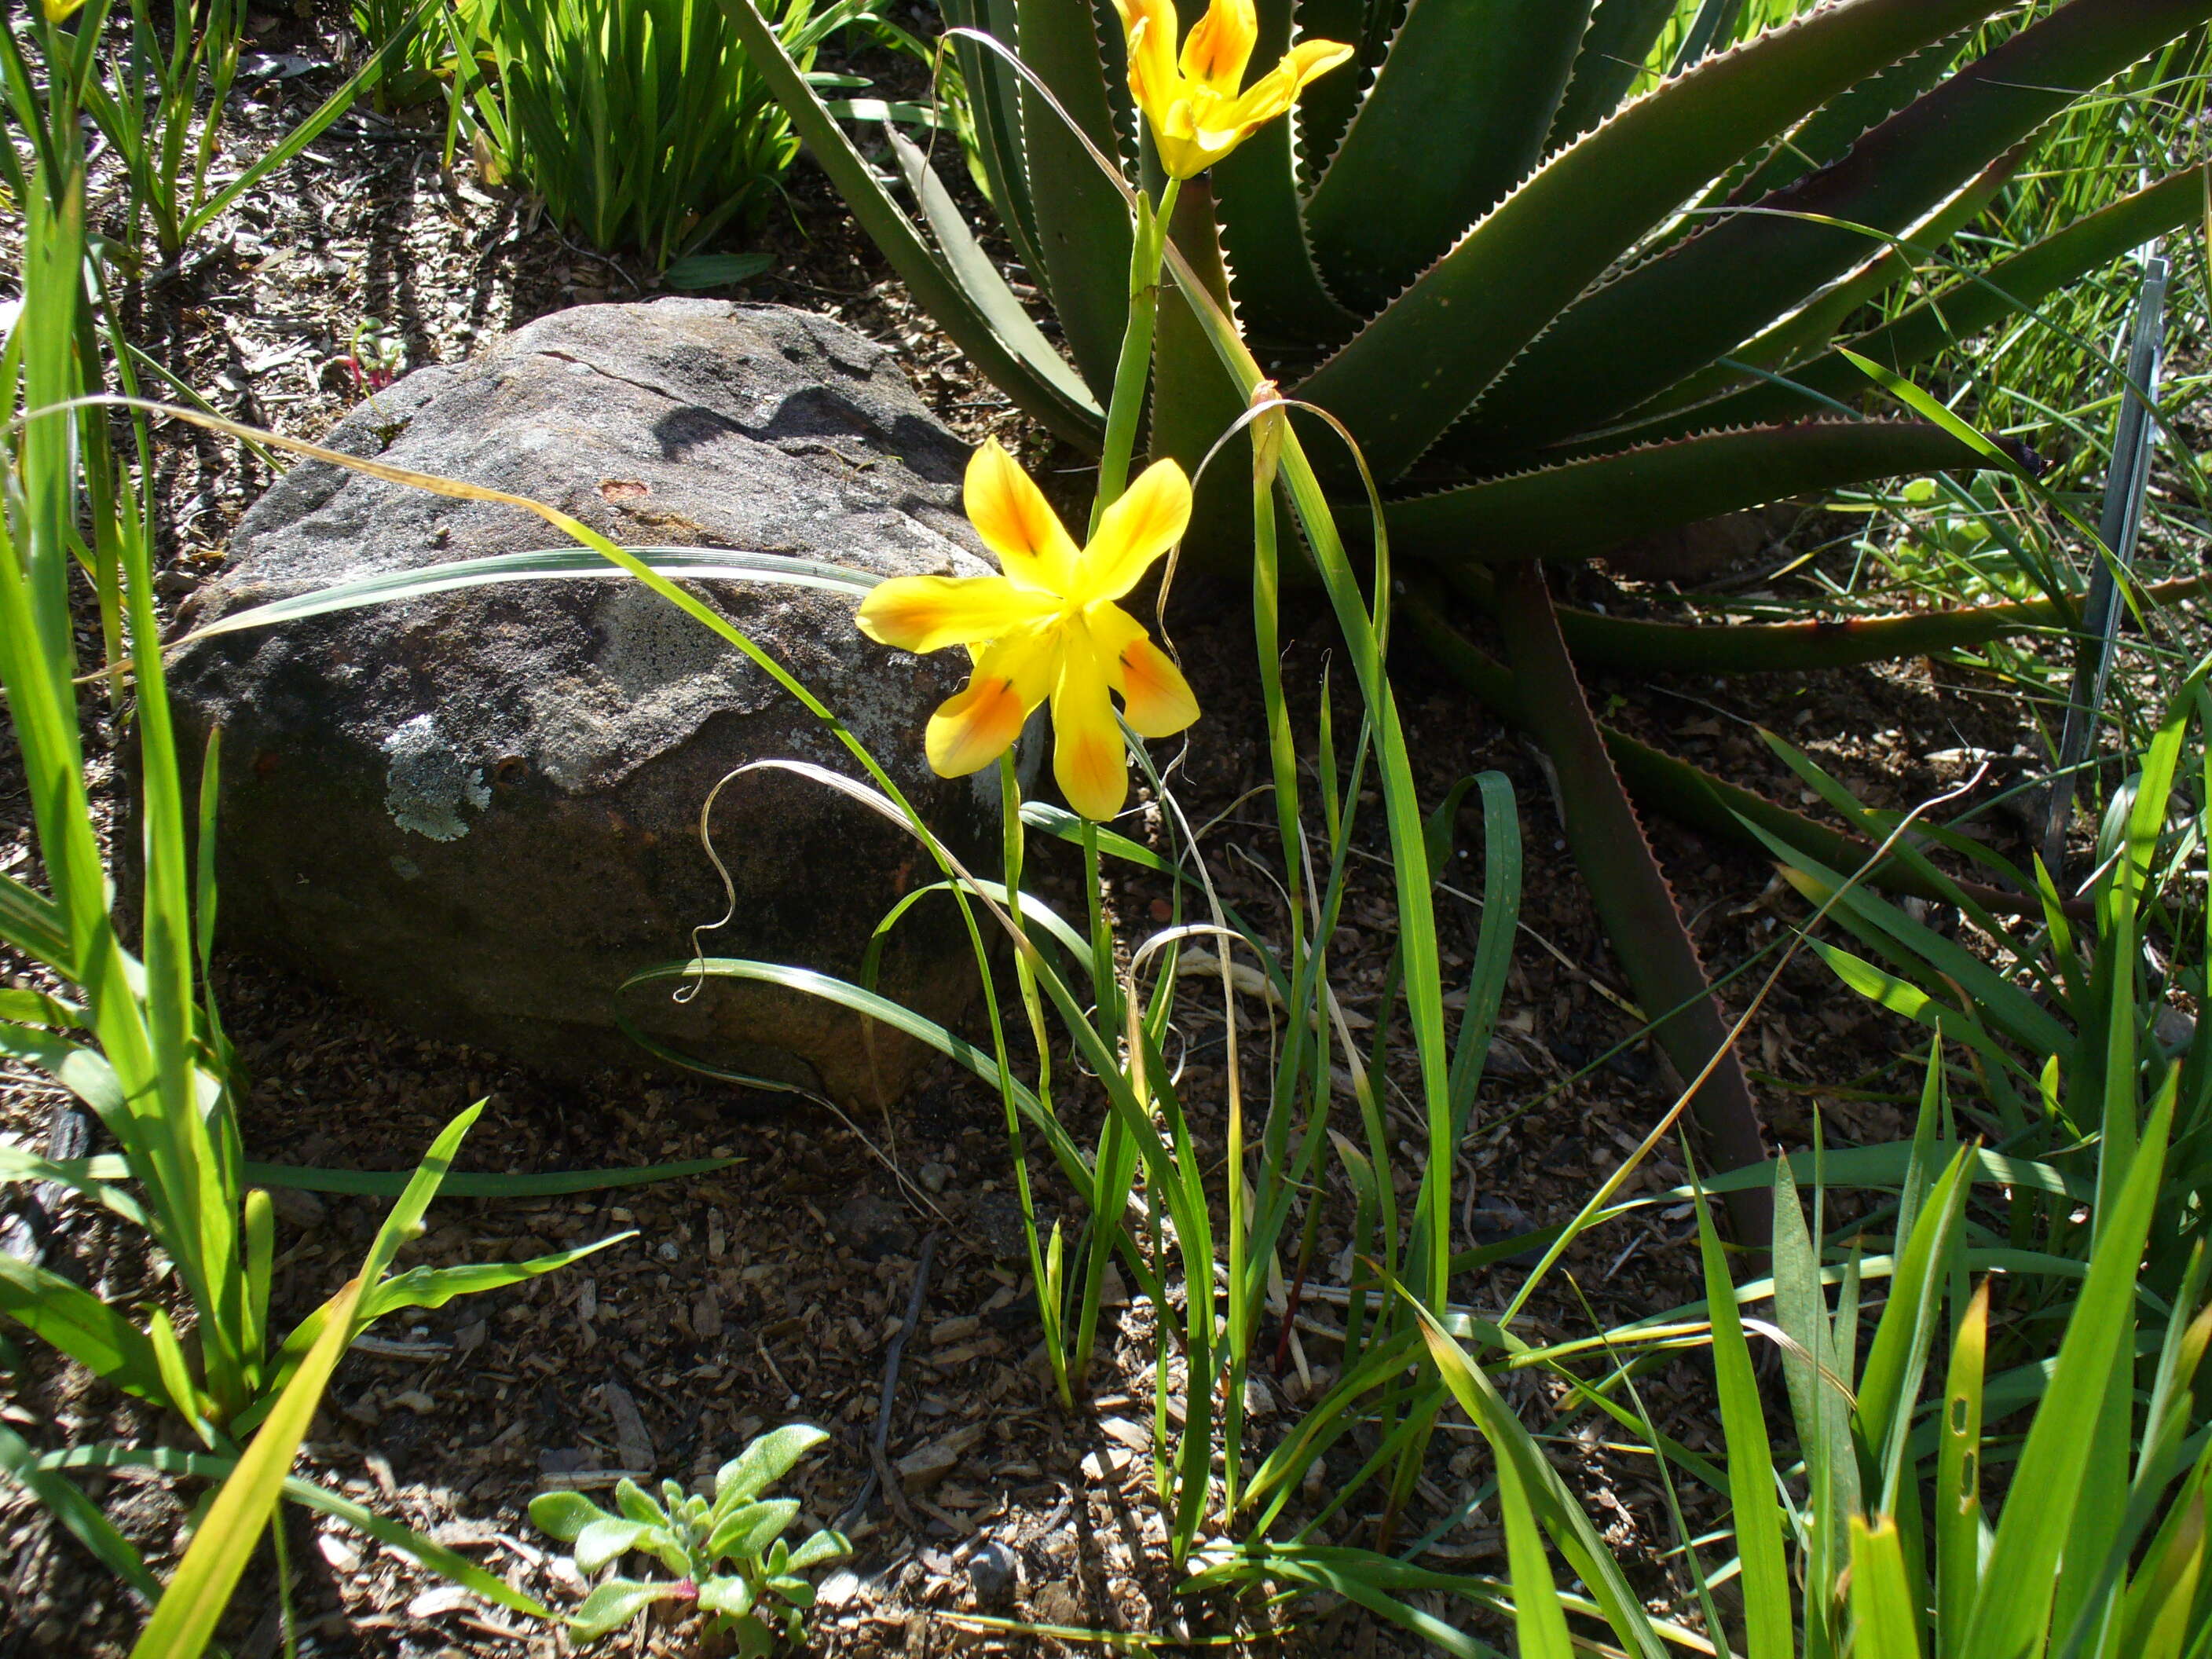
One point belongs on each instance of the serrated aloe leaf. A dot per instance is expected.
(1630, 894)
(1084, 230)
(1835, 126)
(1193, 400)
(933, 286)
(1255, 188)
(1726, 284)
(1683, 790)
(1588, 505)
(1963, 310)
(1490, 73)
(1797, 648)
(1814, 325)
(765, 1461)
(1325, 110)
(1615, 50)
(562, 1514)
(1415, 369)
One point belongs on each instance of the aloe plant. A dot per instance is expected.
(1554, 317)
(1548, 328)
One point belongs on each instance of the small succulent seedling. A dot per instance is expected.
(728, 1554)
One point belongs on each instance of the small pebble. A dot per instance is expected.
(991, 1572)
(934, 1177)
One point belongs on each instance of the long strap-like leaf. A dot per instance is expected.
(926, 275)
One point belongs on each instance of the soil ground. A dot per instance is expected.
(772, 1289)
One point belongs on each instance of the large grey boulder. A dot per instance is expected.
(480, 811)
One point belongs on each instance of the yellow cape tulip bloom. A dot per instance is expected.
(1048, 627)
(1197, 114)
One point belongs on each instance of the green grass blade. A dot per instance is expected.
(184, 1621)
(1958, 1494)
(1757, 1514)
(1888, 1626)
(76, 1512)
(2014, 1603)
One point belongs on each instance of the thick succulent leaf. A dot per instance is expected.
(1326, 109)
(750, 1529)
(978, 273)
(1416, 368)
(1278, 288)
(1084, 233)
(824, 1547)
(1585, 507)
(616, 1602)
(1194, 401)
(562, 1514)
(1837, 125)
(1631, 339)
(1688, 793)
(1615, 48)
(1812, 325)
(762, 1464)
(600, 1541)
(926, 276)
(994, 104)
(1632, 899)
(1646, 647)
(1488, 72)
(1958, 312)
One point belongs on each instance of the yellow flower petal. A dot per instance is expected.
(1149, 518)
(1156, 699)
(1274, 92)
(973, 728)
(1087, 757)
(1017, 523)
(928, 613)
(1220, 46)
(1149, 27)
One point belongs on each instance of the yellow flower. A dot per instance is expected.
(1048, 628)
(1197, 114)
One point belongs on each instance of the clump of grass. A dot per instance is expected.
(642, 123)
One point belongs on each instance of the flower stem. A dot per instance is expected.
(1049, 1309)
(1134, 369)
